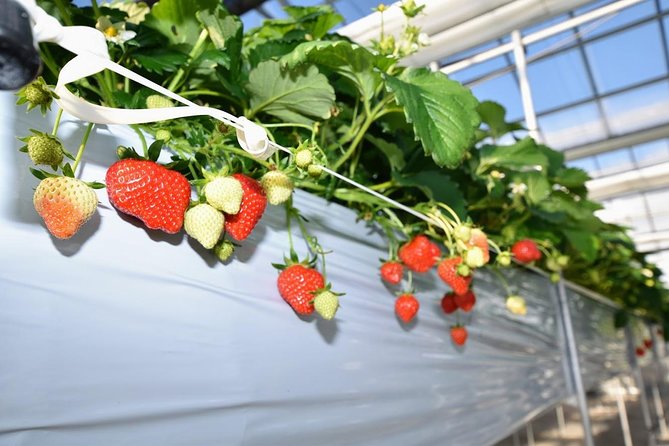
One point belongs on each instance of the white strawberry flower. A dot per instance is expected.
(114, 32)
(518, 188)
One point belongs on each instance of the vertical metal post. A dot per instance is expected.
(559, 412)
(657, 397)
(524, 84)
(575, 366)
(622, 413)
(638, 380)
(530, 434)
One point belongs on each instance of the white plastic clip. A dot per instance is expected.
(253, 138)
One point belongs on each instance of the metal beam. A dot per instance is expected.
(618, 142)
(524, 84)
(644, 179)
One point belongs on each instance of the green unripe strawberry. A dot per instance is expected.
(326, 304)
(555, 277)
(563, 260)
(463, 233)
(224, 250)
(464, 270)
(504, 258)
(225, 194)
(552, 264)
(474, 257)
(36, 94)
(163, 134)
(303, 158)
(314, 171)
(205, 224)
(44, 149)
(278, 187)
(158, 101)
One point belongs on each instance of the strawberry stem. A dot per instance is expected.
(494, 245)
(57, 123)
(501, 278)
(80, 152)
(145, 148)
(289, 211)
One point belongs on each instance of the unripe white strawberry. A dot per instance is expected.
(278, 187)
(314, 171)
(463, 233)
(205, 224)
(158, 101)
(224, 250)
(65, 204)
(326, 304)
(516, 305)
(163, 134)
(303, 158)
(225, 194)
(474, 257)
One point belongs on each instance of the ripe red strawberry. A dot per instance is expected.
(459, 334)
(241, 224)
(406, 307)
(151, 192)
(392, 272)
(297, 285)
(448, 271)
(466, 301)
(640, 351)
(419, 254)
(526, 251)
(448, 303)
(480, 240)
(648, 343)
(65, 204)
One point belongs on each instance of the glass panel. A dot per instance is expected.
(591, 6)
(627, 58)
(467, 53)
(252, 19)
(480, 69)
(651, 153)
(628, 211)
(658, 204)
(622, 18)
(502, 89)
(589, 164)
(615, 162)
(571, 127)
(637, 109)
(274, 8)
(664, 4)
(550, 41)
(558, 80)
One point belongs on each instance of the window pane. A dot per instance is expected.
(615, 162)
(502, 89)
(622, 18)
(628, 211)
(627, 58)
(558, 80)
(637, 109)
(274, 8)
(252, 19)
(588, 164)
(664, 4)
(480, 69)
(572, 127)
(550, 41)
(658, 204)
(651, 153)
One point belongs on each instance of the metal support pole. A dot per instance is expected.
(516, 439)
(638, 380)
(657, 397)
(530, 434)
(559, 412)
(524, 84)
(622, 413)
(574, 363)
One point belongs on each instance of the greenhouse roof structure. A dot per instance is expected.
(596, 78)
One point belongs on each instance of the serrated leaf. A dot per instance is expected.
(269, 50)
(585, 243)
(523, 155)
(391, 151)
(176, 20)
(225, 31)
(211, 59)
(161, 61)
(494, 115)
(351, 61)
(555, 159)
(294, 96)
(442, 111)
(438, 186)
(572, 177)
(538, 186)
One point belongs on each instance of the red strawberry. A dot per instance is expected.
(406, 307)
(466, 301)
(648, 343)
(526, 251)
(459, 334)
(392, 272)
(151, 192)
(419, 254)
(640, 351)
(240, 225)
(448, 271)
(297, 284)
(448, 303)
(479, 239)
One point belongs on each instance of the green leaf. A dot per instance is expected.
(297, 96)
(523, 155)
(555, 159)
(390, 150)
(352, 61)
(154, 149)
(160, 61)
(586, 243)
(538, 186)
(211, 59)
(176, 20)
(442, 111)
(225, 31)
(572, 177)
(438, 186)
(269, 50)
(96, 185)
(494, 115)
(67, 170)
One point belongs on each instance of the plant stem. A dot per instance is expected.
(80, 152)
(145, 147)
(245, 154)
(197, 49)
(64, 13)
(96, 9)
(289, 211)
(57, 123)
(354, 145)
(289, 124)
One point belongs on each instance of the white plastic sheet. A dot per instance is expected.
(126, 336)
